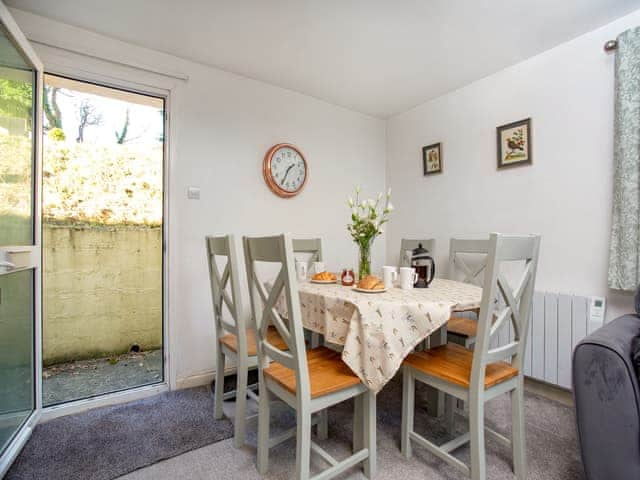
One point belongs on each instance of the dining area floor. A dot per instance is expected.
(552, 448)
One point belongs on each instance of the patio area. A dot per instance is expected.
(85, 378)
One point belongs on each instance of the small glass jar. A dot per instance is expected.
(348, 278)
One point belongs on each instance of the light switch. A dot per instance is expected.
(193, 193)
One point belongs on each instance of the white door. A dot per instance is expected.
(20, 252)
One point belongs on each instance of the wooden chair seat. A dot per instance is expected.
(463, 327)
(327, 373)
(274, 338)
(452, 363)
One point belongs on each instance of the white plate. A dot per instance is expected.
(363, 290)
(323, 281)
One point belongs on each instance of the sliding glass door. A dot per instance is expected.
(20, 92)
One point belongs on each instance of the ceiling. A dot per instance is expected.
(379, 57)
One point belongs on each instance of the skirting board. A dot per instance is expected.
(206, 377)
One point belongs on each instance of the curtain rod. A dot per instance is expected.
(610, 46)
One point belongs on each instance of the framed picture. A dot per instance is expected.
(514, 144)
(432, 159)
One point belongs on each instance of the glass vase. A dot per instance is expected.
(364, 259)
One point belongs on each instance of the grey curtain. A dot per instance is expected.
(624, 257)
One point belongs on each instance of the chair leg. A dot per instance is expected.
(369, 433)
(240, 422)
(517, 432)
(264, 413)
(449, 413)
(303, 443)
(476, 430)
(408, 405)
(358, 420)
(219, 385)
(323, 424)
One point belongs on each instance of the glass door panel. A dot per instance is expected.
(17, 86)
(17, 396)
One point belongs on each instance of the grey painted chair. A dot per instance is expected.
(309, 381)
(478, 376)
(313, 247)
(233, 340)
(462, 327)
(411, 244)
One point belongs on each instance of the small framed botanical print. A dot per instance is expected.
(432, 159)
(514, 144)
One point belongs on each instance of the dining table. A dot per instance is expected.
(378, 330)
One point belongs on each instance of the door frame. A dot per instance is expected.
(21, 43)
(77, 67)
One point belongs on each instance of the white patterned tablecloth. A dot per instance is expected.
(378, 330)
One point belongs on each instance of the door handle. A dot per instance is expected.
(8, 265)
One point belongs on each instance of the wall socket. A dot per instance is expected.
(193, 193)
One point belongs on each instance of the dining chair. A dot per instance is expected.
(233, 339)
(411, 244)
(313, 248)
(309, 381)
(482, 374)
(461, 327)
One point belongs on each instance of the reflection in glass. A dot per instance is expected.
(16, 352)
(17, 86)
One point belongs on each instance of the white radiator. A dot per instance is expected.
(558, 322)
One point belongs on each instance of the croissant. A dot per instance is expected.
(371, 282)
(325, 276)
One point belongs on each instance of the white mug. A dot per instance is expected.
(408, 276)
(389, 275)
(301, 271)
(318, 267)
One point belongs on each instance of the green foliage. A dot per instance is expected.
(57, 135)
(16, 99)
(108, 184)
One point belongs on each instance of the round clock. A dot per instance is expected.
(285, 170)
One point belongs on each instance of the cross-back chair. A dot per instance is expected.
(233, 339)
(478, 376)
(407, 244)
(312, 247)
(309, 381)
(461, 328)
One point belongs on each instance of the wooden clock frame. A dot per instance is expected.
(268, 178)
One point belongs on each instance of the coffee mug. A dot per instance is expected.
(389, 275)
(318, 267)
(408, 277)
(301, 271)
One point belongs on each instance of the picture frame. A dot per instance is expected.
(514, 144)
(432, 159)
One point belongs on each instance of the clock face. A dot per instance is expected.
(285, 170)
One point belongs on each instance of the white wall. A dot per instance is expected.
(565, 195)
(223, 125)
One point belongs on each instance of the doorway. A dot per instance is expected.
(102, 227)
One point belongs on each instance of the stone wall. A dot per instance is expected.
(102, 290)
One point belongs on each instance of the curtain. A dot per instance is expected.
(624, 257)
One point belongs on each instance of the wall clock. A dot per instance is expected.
(285, 170)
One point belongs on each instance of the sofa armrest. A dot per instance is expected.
(607, 400)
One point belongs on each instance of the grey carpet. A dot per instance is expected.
(552, 449)
(108, 442)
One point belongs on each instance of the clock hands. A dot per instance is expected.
(287, 172)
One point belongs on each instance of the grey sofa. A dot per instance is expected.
(607, 399)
